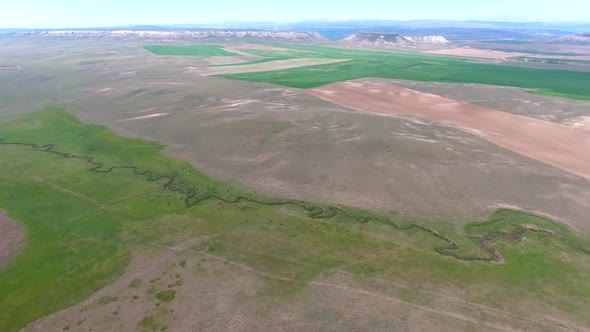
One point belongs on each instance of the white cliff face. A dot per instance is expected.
(433, 40)
(377, 40)
(582, 38)
(219, 35)
(395, 40)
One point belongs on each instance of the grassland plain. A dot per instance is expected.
(274, 55)
(421, 67)
(87, 197)
(190, 50)
(105, 82)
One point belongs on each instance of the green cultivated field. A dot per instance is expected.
(421, 67)
(86, 197)
(194, 50)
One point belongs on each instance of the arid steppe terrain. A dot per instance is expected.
(210, 201)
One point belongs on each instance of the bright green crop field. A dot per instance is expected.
(86, 197)
(192, 50)
(420, 67)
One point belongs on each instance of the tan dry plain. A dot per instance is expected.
(213, 293)
(561, 146)
(287, 143)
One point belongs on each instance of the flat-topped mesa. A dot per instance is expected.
(189, 35)
(429, 40)
(394, 40)
(581, 38)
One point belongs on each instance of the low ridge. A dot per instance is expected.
(581, 38)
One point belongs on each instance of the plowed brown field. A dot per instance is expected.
(558, 145)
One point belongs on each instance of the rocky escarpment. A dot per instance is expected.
(428, 40)
(581, 38)
(394, 40)
(190, 35)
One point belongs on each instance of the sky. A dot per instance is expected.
(102, 13)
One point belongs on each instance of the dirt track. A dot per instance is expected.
(271, 65)
(11, 238)
(554, 144)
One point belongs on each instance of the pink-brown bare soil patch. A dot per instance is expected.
(12, 238)
(562, 146)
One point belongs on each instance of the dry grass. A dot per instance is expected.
(310, 148)
(214, 293)
(555, 144)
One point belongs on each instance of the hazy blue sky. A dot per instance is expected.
(89, 13)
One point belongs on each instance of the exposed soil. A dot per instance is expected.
(270, 66)
(290, 144)
(582, 122)
(12, 238)
(509, 99)
(557, 145)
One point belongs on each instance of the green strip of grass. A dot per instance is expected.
(88, 200)
(421, 67)
(190, 50)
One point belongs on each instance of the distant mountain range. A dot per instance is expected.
(444, 31)
(335, 30)
(364, 24)
(216, 35)
(581, 38)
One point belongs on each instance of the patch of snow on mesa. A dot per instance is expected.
(149, 116)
